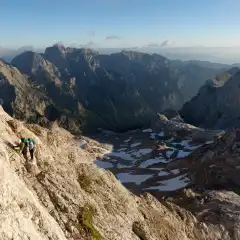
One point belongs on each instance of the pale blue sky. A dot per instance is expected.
(114, 23)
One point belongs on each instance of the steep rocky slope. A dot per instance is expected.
(63, 195)
(214, 197)
(118, 91)
(217, 102)
(18, 96)
(216, 166)
(194, 75)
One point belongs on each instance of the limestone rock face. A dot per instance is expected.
(68, 197)
(22, 214)
(62, 194)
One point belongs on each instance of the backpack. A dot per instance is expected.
(31, 143)
(30, 140)
(24, 140)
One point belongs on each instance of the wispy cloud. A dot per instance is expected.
(112, 37)
(165, 43)
(152, 45)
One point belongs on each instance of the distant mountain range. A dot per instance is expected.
(224, 55)
(85, 90)
(7, 54)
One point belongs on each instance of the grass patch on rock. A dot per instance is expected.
(85, 219)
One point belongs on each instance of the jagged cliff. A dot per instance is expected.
(217, 103)
(29, 100)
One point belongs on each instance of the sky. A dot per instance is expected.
(120, 23)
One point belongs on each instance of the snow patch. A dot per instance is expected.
(103, 164)
(149, 130)
(161, 134)
(135, 144)
(163, 173)
(185, 144)
(169, 140)
(129, 178)
(169, 153)
(119, 166)
(171, 184)
(182, 154)
(150, 162)
(175, 171)
(142, 152)
(153, 135)
(123, 145)
(122, 155)
(157, 169)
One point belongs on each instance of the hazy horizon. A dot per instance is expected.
(227, 55)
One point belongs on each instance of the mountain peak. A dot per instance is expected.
(29, 62)
(233, 70)
(56, 48)
(59, 46)
(88, 51)
(217, 103)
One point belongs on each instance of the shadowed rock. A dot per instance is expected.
(171, 127)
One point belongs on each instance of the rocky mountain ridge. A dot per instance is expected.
(217, 103)
(120, 91)
(27, 100)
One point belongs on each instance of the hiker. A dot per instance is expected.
(31, 147)
(25, 145)
(22, 147)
